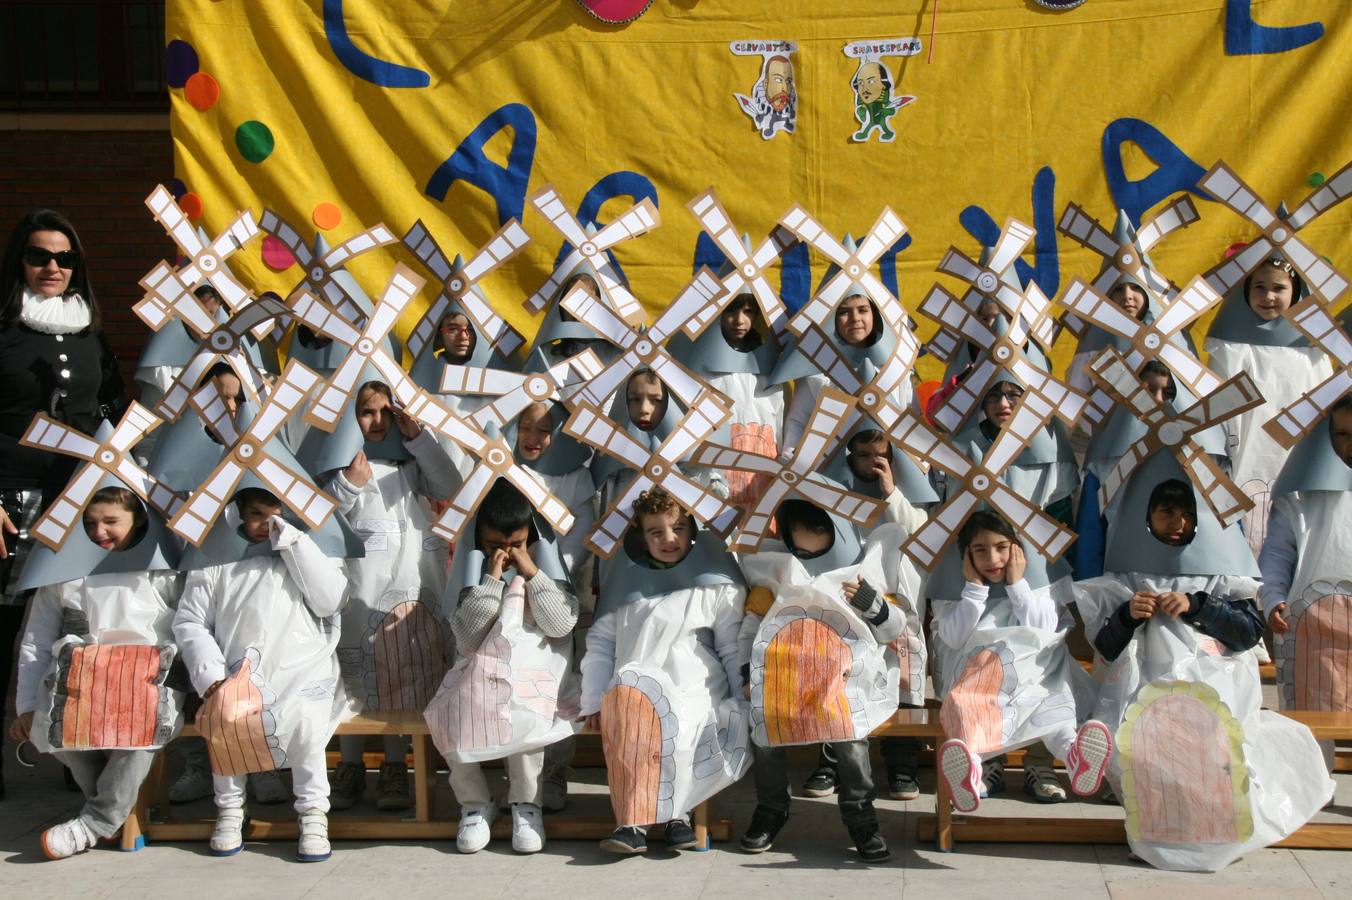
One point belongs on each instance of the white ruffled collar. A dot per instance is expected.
(65, 314)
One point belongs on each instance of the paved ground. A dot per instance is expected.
(811, 859)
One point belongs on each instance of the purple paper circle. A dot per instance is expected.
(176, 187)
(180, 63)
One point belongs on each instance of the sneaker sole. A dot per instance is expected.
(903, 795)
(684, 845)
(1095, 744)
(881, 857)
(620, 847)
(313, 857)
(47, 850)
(955, 767)
(746, 849)
(818, 792)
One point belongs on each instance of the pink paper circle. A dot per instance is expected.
(277, 255)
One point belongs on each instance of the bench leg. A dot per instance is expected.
(943, 813)
(422, 783)
(700, 820)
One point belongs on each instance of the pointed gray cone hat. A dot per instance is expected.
(946, 581)
(1313, 466)
(1154, 286)
(80, 557)
(626, 579)
(604, 465)
(426, 368)
(711, 354)
(467, 566)
(846, 546)
(185, 453)
(224, 543)
(1130, 546)
(174, 345)
(555, 328)
(1237, 323)
(877, 349)
(327, 358)
(321, 451)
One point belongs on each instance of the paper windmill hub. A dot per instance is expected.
(1280, 234)
(496, 457)
(366, 346)
(207, 263)
(750, 271)
(980, 483)
(587, 248)
(1002, 353)
(538, 387)
(107, 457)
(790, 477)
(456, 285)
(1171, 434)
(870, 400)
(221, 342)
(1152, 341)
(644, 349)
(656, 469)
(245, 451)
(1125, 258)
(987, 282)
(317, 274)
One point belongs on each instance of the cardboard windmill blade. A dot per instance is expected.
(799, 476)
(514, 391)
(367, 347)
(494, 339)
(1126, 250)
(107, 456)
(1313, 320)
(1002, 351)
(981, 482)
(255, 452)
(228, 342)
(169, 289)
(591, 248)
(1278, 233)
(1177, 432)
(746, 269)
(643, 347)
(658, 468)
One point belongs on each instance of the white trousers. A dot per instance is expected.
(525, 783)
(309, 783)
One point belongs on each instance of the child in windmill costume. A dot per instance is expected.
(258, 628)
(383, 468)
(660, 678)
(827, 596)
(1252, 334)
(1306, 567)
(1204, 774)
(97, 647)
(509, 696)
(1002, 667)
(736, 357)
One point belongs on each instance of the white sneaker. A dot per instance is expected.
(528, 828)
(314, 836)
(476, 825)
(67, 839)
(228, 837)
(961, 769)
(267, 788)
(1087, 759)
(193, 784)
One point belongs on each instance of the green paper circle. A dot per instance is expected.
(254, 140)
(1317, 178)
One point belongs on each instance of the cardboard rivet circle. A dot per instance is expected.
(246, 451)
(1171, 433)
(365, 346)
(749, 270)
(656, 470)
(317, 274)
(868, 399)
(496, 457)
(107, 456)
(456, 285)
(1128, 259)
(1002, 353)
(643, 348)
(986, 282)
(537, 386)
(854, 269)
(981, 482)
(207, 262)
(220, 341)
(1280, 234)
(1152, 341)
(790, 476)
(587, 249)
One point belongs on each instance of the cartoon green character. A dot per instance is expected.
(874, 105)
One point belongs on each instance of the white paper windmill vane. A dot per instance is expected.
(458, 281)
(1176, 433)
(108, 457)
(1312, 318)
(320, 266)
(1279, 235)
(169, 289)
(748, 265)
(1125, 253)
(514, 391)
(659, 468)
(829, 417)
(591, 248)
(247, 452)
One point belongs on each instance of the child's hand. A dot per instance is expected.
(746, 691)
(591, 722)
(1174, 604)
(359, 472)
(882, 470)
(969, 571)
(1017, 565)
(849, 589)
(6, 528)
(496, 562)
(1142, 605)
(408, 426)
(21, 727)
(1276, 621)
(521, 561)
(213, 689)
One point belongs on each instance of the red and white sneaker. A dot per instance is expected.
(67, 839)
(961, 770)
(1087, 759)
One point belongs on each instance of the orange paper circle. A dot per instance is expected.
(326, 216)
(191, 204)
(202, 91)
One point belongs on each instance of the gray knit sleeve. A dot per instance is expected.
(478, 609)
(552, 604)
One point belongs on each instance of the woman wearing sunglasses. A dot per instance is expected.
(54, 359)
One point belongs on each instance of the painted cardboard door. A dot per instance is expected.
(238, 722)
(107, 697)
(638, 735)
(973, 710)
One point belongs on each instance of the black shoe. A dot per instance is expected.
(765, 824)
(627, 841)
(821, 784)
(870, 844)
(902, 785)
(680, 836)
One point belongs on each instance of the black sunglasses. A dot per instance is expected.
(38, 257)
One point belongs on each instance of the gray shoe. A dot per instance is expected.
(193, 784)
(392, 787)
(346, 785)
(267, 788)
(556, 790)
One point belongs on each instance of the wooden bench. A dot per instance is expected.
(151, 817)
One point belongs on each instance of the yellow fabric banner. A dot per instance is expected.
(341, 115)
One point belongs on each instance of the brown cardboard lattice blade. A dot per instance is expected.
(1313, 319)
(206, 262)
(515, 390)
(319, 269)
(854, 266)
(224, 343)
(457, 286)
(1333, 191)
(1176, 433)
(1278, 235)
(638, 220)
(210, 407)
(165, 300)
(980, 482)
(102, 458)
(195, 518)
(748, 267)
(643, 348)
(367, 347)
(496, 461)
(798, 476)
(1127, 257)
(425, 409)
(588, 424)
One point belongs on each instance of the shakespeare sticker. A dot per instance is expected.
(876, 100)
(773, 104)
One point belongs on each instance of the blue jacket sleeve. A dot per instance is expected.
(1236, 623)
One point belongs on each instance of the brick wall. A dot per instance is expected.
(99, 179)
